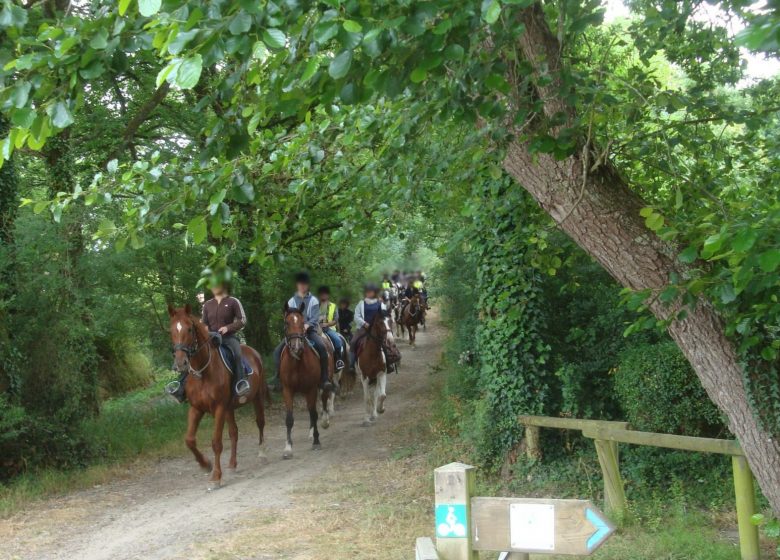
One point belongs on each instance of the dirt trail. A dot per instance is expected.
(166, 511)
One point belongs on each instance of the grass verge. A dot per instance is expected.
(141, 425)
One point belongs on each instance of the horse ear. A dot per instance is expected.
(171, 310)
(188, 309)
(302, 306)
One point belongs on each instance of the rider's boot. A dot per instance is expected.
(325, 383)
(176, 389)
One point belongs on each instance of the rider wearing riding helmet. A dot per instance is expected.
(365, 311)
(311, 314)
(329, 318)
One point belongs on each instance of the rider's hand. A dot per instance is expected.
(223, 330)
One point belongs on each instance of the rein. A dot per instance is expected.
(192, 351)
(294, 336)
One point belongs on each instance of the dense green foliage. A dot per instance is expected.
(148, 140)
(660, 393)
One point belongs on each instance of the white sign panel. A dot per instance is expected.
(532, 526)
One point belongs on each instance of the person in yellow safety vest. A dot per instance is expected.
(329, 318)
(386, 284)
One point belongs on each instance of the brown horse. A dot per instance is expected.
(371, 366)
(299, 373)
(412, 316)
(209, 388)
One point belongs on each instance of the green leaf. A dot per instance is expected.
(454, 52)
(189, 72)
(241, 23)
(311, 68)
(198, 229)
(274, 38)
(339, 66)
(123, 5)
(23, 118)
(689, 255)
(168, 73)
(491, 10)
(418, 75)
(769, 260)
(148, 8)
(112, 166)
(60, 115)
(20, 93)
(352, 26)
(744, 240)
(100, 40)
(325, 31)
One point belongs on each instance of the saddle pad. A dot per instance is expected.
(227, 359)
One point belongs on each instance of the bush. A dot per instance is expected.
(122, 366)
(659, 392)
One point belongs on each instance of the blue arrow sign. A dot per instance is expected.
(602, 531)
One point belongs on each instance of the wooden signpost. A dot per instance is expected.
(466, 524)
(562, 527)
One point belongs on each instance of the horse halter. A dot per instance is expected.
(191, 350)
(294, 336)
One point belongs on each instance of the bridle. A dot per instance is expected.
(294, 336)
(192, 349)
(382, 341)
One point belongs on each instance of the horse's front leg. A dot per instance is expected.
(233, 432)
(215, 481)
(193, 421)
(289, 421)
(381, 395)
(367, 400)
(311, 404)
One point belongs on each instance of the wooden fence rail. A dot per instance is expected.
(607, 435)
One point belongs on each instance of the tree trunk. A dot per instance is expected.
(601, 214)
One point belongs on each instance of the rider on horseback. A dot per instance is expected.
(223, 314)
(345, 317)
(311, 314)
(365, 311)
(329, 318)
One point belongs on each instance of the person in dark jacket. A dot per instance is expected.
(222, 314)
(225, 315)
(345, 318)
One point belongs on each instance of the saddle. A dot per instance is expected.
(226, 354)
(227, 358)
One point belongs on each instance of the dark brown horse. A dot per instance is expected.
(412, 315)
(209, 389)
(372, 367)
(299, 373)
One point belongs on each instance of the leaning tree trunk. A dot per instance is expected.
(601, 214)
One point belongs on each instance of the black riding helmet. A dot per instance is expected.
(303, 278)
(323, 290)
(371, 287)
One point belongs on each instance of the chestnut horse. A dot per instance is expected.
(299, 373)
(372, 367)
(412, 315)
(209, 389)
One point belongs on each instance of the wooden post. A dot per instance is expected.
(533, 449)
(425, 549)
(454, 486)
(514, 556)
(746, 507)
(614, 492)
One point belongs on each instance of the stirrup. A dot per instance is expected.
(174, 390)
(242, 387)
(339, 364)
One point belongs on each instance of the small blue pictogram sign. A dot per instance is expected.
(451, 521)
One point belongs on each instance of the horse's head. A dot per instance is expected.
(183, 336)
(295, 329)
(379, 328)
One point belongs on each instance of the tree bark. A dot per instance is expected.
(599, 211)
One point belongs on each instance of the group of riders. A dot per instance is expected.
(224, 317)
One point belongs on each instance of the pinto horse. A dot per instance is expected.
(372, 367)
(299, 373)
(413, 314)
(209, 389)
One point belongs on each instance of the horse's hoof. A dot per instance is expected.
(232, 467)
(316, 447)
(214, 485)
(325, 424)
(367, 424)
(381, 404)
(287, 455)
(207, 468)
